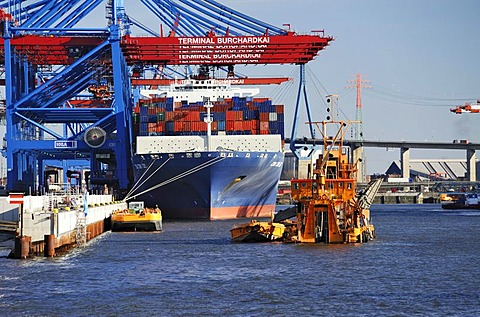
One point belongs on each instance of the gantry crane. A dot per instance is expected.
(69, 89)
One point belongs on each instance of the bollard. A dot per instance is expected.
(49, 250)
(22, 247)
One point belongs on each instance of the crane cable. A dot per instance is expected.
(406, 98)
(181, 175)
(138, 184)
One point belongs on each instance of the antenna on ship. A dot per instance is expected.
(208, 119)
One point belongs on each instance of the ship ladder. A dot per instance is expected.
(47, 204)
(81, 229)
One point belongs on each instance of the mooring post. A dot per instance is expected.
(49, 250)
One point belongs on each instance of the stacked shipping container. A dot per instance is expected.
(163, 116)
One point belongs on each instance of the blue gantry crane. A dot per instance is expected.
(68, 89)
(54, 114)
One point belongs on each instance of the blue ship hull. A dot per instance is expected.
(209, 185)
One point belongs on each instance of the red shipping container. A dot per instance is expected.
(193, 116)
(260, 99)
(264, 116)
(161, 126)
(230, 125)
(152, 127)
(263, 126)
(179, 115)
(198, 126)
(230, 115)
(251, 125)
(169, 115)
(159, 99)
(195, 126)
(238, 126)
(238, 115)
(178, 126)
(279, 108)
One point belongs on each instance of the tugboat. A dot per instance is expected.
(455, 200)
(137, 218)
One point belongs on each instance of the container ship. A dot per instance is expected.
(206, 150)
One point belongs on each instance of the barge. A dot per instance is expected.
(137, 218)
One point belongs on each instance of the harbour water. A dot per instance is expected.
(424, 262)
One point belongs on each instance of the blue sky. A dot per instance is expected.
(421, 58)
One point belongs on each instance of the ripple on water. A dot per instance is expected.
(424, 262)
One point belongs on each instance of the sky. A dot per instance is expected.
(420, 58)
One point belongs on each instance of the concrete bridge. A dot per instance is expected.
(405, 146)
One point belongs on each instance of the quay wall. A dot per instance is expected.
(37, 225)
(407, 198)
(49, 231)
(385, 198)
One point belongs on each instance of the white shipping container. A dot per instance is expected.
(272, 116)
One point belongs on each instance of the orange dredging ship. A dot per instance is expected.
(328, 208)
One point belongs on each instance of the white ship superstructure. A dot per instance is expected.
(194, 90)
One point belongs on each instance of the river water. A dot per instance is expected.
(424, 262)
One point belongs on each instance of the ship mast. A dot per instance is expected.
(208, 119)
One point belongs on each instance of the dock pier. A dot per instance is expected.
(51, 227)
(407, 198)
(389, 193)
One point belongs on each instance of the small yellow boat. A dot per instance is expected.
(257, 231)
(135, 219)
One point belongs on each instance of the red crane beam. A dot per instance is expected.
(52, 50)
(232, 81)
(225, 50)
(208, 50)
